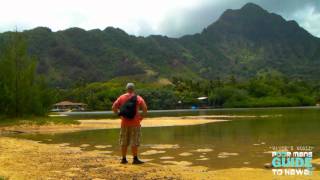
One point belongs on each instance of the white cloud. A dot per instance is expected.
(309, 19)
(61, 14)
(138, 17)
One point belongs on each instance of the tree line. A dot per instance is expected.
(22, 91)
(25, 92)
(267, 89)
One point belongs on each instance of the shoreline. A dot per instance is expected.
(193, 110)
(111, 123)
(96, 124)
(26, 159)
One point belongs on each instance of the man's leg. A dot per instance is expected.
(136, 135)
(124, 151)
(134, 150)
(124, 144)
(135, 155)
(124, 154)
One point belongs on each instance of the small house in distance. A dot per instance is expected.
(69, 106)
(203, 102)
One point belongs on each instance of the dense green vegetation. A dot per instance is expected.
(242, 60)
(22, 91)
(269, 89)
(242, 42)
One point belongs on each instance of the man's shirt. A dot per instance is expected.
(140, 104)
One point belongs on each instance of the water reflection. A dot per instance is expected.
(243, 142)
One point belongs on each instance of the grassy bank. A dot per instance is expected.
(32, 120)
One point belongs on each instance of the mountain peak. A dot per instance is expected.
(249, 10)
(39, 29)
(252, 6)
(255, 23)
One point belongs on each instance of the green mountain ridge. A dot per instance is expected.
(241, 42)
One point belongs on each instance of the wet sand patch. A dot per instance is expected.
(152, 152)
(84, 145)
(166, 157)
(185, 154)
(180, 163)
(226, 154)
(147, 160)
(316, 161)
(267, 152)
(259, 144)
(205, 150)
(64, 144)
(102, 152)
(164, 146)
(74, 169)
(220, 156)
(102, 146)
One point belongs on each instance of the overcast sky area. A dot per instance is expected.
(172, 18)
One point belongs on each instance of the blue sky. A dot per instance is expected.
(173, 18)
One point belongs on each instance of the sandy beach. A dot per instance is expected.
(25, 159)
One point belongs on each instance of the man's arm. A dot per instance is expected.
(143, 107)
(115, 109)
(115, 106)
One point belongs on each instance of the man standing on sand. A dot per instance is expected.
(130, 132)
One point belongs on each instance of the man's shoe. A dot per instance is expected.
(137, 161)
(124, 161)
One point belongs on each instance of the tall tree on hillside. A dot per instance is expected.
(22, 91)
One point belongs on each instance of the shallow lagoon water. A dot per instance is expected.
(242, 142)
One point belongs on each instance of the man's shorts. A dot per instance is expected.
(130, 135)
